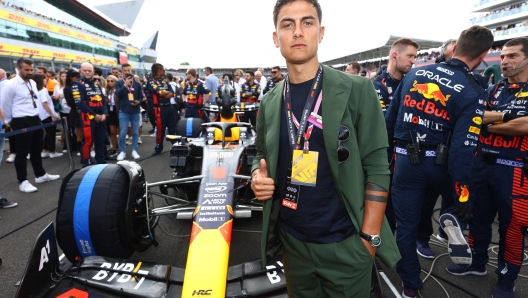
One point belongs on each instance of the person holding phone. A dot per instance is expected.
(128, 93)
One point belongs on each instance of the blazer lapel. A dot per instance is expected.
(335, 100)
(273, 114)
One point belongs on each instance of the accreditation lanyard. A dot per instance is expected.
(130, 89)
(315, 91)
(32, 94)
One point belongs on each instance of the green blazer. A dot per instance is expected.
(350, 101)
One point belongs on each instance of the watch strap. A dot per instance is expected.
(365, 236)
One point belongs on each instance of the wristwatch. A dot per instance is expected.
(374, 240)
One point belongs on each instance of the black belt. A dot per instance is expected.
(425, 150)
(422, 147)
(27, 117)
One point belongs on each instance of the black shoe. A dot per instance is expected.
(4, 203)
(112, 155)
(155, 153)
(151, 131)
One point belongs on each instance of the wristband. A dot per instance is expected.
(509, 116)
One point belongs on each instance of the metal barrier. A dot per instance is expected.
(63, 121)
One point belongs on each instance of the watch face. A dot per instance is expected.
(376, 241)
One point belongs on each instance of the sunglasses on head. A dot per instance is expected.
(342, 152)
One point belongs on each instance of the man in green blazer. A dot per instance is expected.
(317, 221)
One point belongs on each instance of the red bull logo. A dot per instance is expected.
(430, 91)
(427, 107)
(96, 98)
(464, 194)
(499, 142)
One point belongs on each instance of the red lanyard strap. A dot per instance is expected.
(315, 91)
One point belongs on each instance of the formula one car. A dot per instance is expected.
(106, 213)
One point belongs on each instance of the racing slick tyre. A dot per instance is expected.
(102, 212)
(189, 127)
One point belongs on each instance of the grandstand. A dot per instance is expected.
(64, 33)
(371, 59)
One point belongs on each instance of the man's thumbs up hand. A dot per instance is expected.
(261, 185)
(263, 169)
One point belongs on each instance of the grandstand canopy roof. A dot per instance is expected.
(380, 52)
(91, 16)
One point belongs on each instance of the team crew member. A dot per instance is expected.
(433, 121)
(18, 100)
(402, 57)
(276, 77)
(447, 50)
(160, 92)
(195, 94)
(250, 92)
(401, 60)
(353, 68)
(91, 102)
(497, 173)
(326, 257)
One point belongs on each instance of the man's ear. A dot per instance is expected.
(275, 39)
(393, 55)
(321, 34)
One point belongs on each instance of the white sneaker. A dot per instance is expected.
(25, 186)
(122, 155)
(153, 135)
(92, 154)
(46, 177)
(11, 158)
(56, 154)
(78, 153)
(44, 154)
(28, 156)
(135, 155)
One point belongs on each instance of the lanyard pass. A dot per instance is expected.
(302, 125)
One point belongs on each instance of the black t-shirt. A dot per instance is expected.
(320, 217)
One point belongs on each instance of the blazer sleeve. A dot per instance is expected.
(260, 142)
(372, 137)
